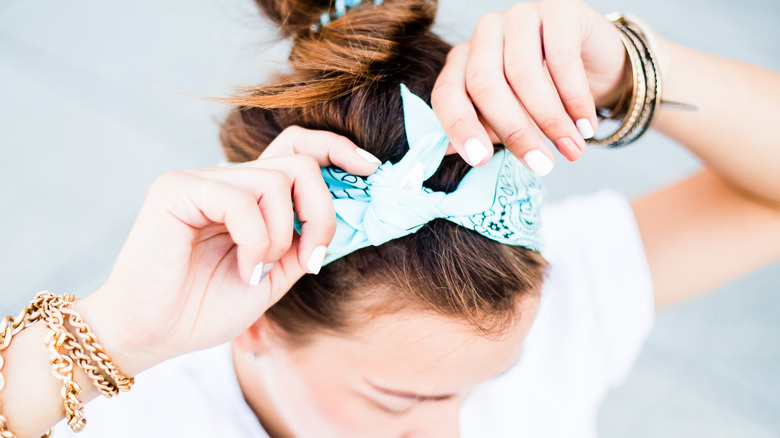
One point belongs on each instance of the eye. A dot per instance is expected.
(395, 412)
(388, 410)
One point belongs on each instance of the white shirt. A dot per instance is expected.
(595, 314)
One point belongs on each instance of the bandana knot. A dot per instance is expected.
(500, 200)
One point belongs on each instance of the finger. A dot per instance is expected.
(491, 134)
(328, 148)
(524, 70)
(278, 277)
(562, 35)
(456, 112)
(272, 188)
(284, 273)
(488, 88)
(313, 206)
(312, 201)
(238, 210)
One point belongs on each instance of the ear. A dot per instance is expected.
(257, 339)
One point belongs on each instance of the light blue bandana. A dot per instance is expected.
(500, 200)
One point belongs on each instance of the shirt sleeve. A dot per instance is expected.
(594, 239)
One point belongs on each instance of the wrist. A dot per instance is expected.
(621, 84)
(99, 312)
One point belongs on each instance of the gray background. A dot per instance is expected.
(99, 98)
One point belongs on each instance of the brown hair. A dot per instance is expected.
(345, 78)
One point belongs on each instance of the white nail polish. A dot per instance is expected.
(538, 162)
(315, 259)
(260, 272)
(475, 150)
(585, 128)
(367, 156)
(257, 274)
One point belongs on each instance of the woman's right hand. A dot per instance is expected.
(527, 73)
(183, 280)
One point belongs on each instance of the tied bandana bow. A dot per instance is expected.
(500, 200)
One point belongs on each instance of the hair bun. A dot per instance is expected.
(369, 43)
(297, 17)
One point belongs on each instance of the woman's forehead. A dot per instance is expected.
(421, 352)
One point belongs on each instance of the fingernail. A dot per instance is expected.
(315, 259)
(538, 162)
(569, 148)
(475, 150)
(585, 128)
(260, 272)
(367, 156)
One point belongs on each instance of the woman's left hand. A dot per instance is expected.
(190, 274)
(536, 70)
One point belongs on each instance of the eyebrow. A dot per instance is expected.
(409, 395)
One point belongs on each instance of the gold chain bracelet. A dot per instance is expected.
(62, 364)
(66, 350)
(98, 354)
(10, 327)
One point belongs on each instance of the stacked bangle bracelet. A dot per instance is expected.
(646, 70)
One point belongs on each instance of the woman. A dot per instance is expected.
(335, 358)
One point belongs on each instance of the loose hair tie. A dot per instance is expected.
(340, 9)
